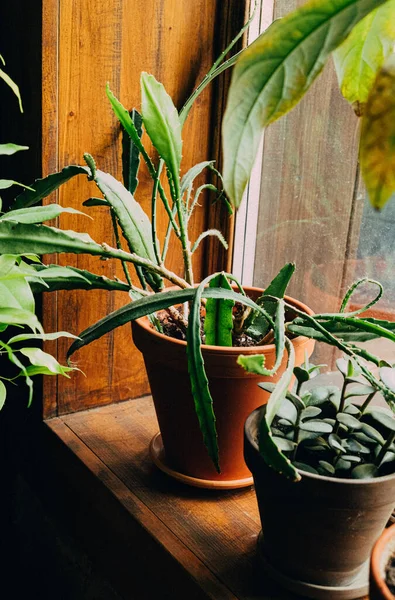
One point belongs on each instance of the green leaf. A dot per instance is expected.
(287, 411)
(17, 316)
(9, 149)
(349, 421)
(304, 467)
(257, 325)
(131, 153)
(190, 176)
(355, 446)
(366, 471)
(38, 214)
(327, 467)
(3, 394)
(377, 146)
(43, 187)
(218, 323)
(387, 376)
(363, 53)
(55, 277)
(39, 358)
(273, 74)
(310, 412)
(269, 387)
(11, 84)
(7, 183)
(280, 391)
(359, 390)
(283, 444)
(382, 417)
(95, 202)
(316, 426)
(162, 124)
(40, 336)
(372, 433)
(199, 382)
(255, 363)
(272, 455)
(335, 443)
(135, 224)
(210, 232)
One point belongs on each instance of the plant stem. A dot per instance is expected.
(155, 241)
(109, 252)
(341, 404)
(384, 449)
(367, 402)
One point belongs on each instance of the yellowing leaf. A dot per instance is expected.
(273, 74)
(377, 150)
(359, 58)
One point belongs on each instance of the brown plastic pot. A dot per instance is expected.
(320, 530)
(235, 394)
(383, 549)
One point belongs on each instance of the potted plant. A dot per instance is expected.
(229, 312)
(382, 577)
(324, 465)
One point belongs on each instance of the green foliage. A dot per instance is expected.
(273, 74)
(363, 53)
(218, 322)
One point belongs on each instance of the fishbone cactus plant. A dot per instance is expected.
(269, 78)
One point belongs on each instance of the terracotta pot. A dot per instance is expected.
(235, 394)
(383, 549)
(321, 530)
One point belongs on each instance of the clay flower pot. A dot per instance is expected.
(318, 533)
(383, 549)
(235, 394)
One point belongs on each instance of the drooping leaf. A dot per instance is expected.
(209, 233)
(3, 394)
(191, 175)
(218, 323)
(39, 358)
(272, 75)
(131, 153)
(363, 53)
(40, 336)
(11, 84)
(162, 124)
(377, 147)
(9, 149)
(43, 187)
(17, 316)
(7, 183)
(199, 382)
(38, 214)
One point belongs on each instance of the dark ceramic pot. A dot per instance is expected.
(235, 394)
(320, 530)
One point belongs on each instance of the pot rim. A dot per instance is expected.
(306, 474)
(375, 561)
(268, 348)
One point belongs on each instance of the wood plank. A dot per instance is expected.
(176, 41)
(309, 175)
(143, 556)
(220, 528)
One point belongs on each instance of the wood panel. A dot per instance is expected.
(114, 40)
(308, 196)
(205, 536)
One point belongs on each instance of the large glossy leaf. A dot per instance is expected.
(363, 53)
(131, 153)
(273, 74)
(162, 123)
(135, 225)
(41, 188)
(38, 214)
(218, 323)
(16, 316)
(377, 148)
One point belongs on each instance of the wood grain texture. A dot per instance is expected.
(114, 40)
(211, 535)
(308, 197)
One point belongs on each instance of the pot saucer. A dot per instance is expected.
(157, 454)
(357, 589)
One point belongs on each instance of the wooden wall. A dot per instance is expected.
(85, 44)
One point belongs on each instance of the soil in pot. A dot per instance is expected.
(235, 394)
(390, 575)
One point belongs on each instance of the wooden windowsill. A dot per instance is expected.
(153, 537)
(192, 543)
